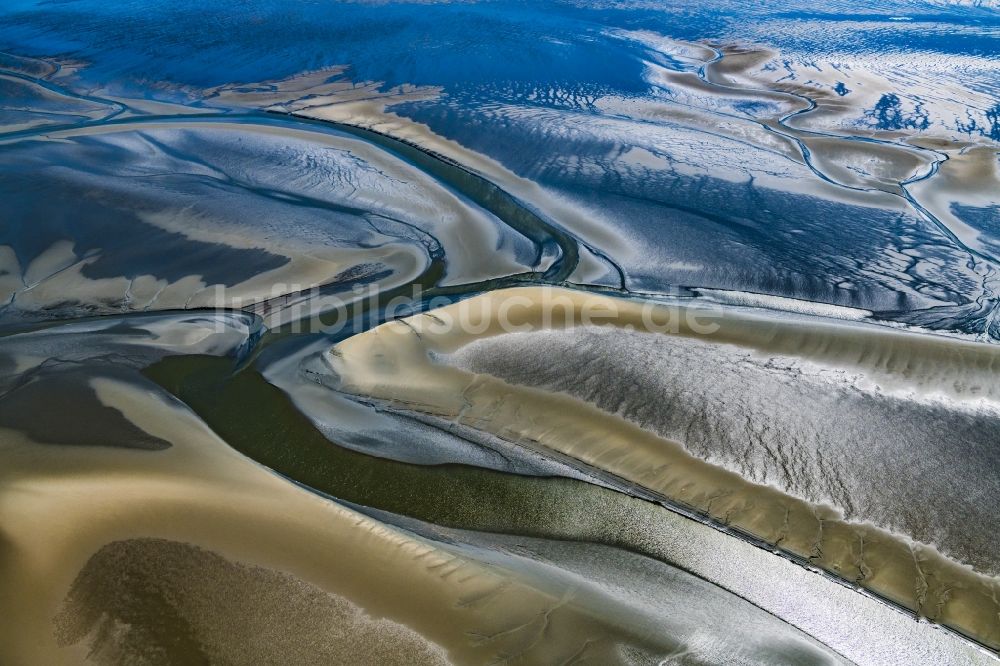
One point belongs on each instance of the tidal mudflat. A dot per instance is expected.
(499, 332)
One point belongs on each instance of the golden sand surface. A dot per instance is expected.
(396, 362)
(196, 553)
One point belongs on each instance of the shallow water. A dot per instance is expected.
(209, 210)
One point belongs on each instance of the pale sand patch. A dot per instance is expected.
(971, 177)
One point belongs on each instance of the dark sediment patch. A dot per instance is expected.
(154, 601)
(62, 408)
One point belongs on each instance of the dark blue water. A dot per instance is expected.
(572, 96)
